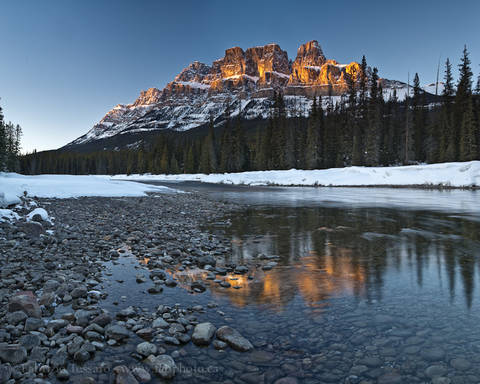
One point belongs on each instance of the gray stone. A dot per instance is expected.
(163, 365)
(30, 341)
(79, 292)
(63, 375)
(390, 378)
(435, 370)
(234, 339)
(32, 324)
(146, 349)
(16, 317)
(203, 333)
(460, 364)
(141, 374)
(59, 360)
(26, 302)
(123, 375)
(117, 332)
(5, 373)
(160, 323)
(12, 353)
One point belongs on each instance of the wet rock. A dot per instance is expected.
(390, 378)
(260, 356)
(102, 320)
(145, 333)
(234, 339)
(198, 286)
(123, 375)
(126, 313)
(202, 261)
(146, 349)
(117, 332)
(433, 354)
(435, 370)
(63, 375)
(163, 365)
(217, 344)
(460, 364)
(158, 273)
(26, 302)
(287, 380)
(141, 374)
(155, 289)
(159, 323)
(75, 329)
(79, 292)
(441, 380)
(203, 333)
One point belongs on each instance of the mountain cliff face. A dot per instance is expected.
(243, 81)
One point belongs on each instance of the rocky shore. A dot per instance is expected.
(54, 318)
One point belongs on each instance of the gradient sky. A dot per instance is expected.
(65, 63)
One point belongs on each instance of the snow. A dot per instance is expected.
(41, 212)
(466, 174)
(8, 215)
(7, 198)
(66, 186)
(194, 84)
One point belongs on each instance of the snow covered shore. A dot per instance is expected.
(462, 174)
(13, 185)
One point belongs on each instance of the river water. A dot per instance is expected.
(371, 286)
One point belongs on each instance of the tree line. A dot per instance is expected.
(364, 128)
(10, 136)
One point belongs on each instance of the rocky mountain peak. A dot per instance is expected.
(148, 97)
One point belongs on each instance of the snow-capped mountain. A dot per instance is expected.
(242, 82)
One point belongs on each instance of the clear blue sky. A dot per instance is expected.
(65, 63)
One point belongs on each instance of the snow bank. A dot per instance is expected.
(466, 174)
(8, 214)
(13, 185)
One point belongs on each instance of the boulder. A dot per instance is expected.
(27, 302)
(12, 353)
(123, 375)
(234, 339)
(203, 333)
(163, 365)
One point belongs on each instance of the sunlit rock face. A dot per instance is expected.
(148, 97)
(307, 65)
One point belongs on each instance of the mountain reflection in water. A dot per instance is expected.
(328, 253)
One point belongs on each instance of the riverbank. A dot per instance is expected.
(464, 175)
(71, 311)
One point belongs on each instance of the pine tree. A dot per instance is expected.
(372, 153)
(313, 138)
(418, 120)
(3, 142)
(467, 137)
(468, 141)
(448, 90)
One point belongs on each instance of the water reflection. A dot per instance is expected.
(326, 253)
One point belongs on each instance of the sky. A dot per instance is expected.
(65, 63)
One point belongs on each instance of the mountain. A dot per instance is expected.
(241, 82)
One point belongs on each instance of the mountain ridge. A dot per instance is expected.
(243, 81)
